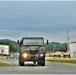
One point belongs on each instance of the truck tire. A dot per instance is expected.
(41, 62)
(21, 61)
(34, 62)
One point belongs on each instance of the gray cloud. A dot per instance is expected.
(37, 18)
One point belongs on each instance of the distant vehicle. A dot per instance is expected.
(31, 49)
(4, 49)
(12, 56)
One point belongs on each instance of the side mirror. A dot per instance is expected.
(18, 42)
(47, 42)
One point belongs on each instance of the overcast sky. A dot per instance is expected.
(49, 19)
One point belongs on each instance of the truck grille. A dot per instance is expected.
(33, 52)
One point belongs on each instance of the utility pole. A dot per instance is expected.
(68, 40)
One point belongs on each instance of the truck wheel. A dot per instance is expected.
(21, 61)
(34, 62)
(41, 62)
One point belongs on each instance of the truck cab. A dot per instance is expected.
(31, 49)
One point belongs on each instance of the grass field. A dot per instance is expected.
(4, 64)
(62, 60)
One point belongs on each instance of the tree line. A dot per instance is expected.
(12, 44)
(56, 46)
(51, 47)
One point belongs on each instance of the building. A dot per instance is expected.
(72, 46)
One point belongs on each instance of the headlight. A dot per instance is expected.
(25, 55)
(41, 55)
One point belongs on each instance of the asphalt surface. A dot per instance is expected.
(30, 68)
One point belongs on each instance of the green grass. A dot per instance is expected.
(62, 60)
(4, 64)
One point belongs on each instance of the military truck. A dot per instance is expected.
(31, 49)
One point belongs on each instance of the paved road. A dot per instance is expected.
(30, 68)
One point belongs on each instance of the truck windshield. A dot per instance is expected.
(37, 42)
(27, 48)
(31, 48)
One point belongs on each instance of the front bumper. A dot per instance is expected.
(31, 57)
